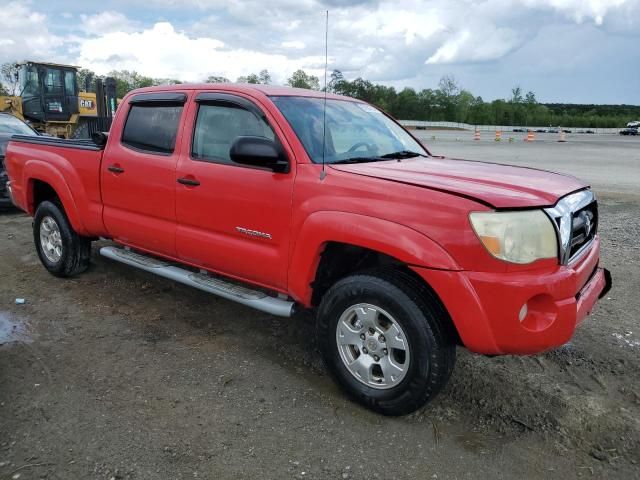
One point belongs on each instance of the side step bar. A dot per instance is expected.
(231, 291)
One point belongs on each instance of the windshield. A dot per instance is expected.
(10, 124)
(355, 131)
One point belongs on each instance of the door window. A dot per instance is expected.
(218, 125)
(53, 81)
(152, 128)
(70, 83)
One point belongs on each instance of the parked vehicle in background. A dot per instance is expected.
(634, 124)
(518, 130)
(541, 130)
(629, 131)
(9, 126)
(284, 199)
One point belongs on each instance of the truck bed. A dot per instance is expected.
(82, 144)
(70, 167)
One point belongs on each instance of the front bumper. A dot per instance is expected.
(488, 308)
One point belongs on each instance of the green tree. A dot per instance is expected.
(86, 78)
(464, 102)
(516, 95)
(166, 81)
(9, 77)
(216, 79)
(530, 98)
(264, 77)
(129, 80)
(300, 79)
(251, 78)
(336, 82)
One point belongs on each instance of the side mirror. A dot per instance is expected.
(259, 152)
(100, 138)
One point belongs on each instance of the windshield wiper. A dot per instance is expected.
(359, 160)
(402, 154)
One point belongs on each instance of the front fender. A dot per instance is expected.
(398, 241)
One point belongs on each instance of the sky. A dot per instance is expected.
(577, 51)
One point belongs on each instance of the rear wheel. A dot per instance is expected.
(62, 251)
(384, 338)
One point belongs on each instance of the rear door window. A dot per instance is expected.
(152, 127)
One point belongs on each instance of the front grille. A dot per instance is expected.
(584, 227)
(576, 219)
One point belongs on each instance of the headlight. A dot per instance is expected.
(517, 237)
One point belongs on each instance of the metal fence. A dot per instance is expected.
(422, 124)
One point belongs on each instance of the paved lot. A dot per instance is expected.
(119, 374)
(611, 163)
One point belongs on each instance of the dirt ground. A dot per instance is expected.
(117, 374)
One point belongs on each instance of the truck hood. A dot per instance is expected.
(500, 186)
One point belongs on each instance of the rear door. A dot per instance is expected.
(232, 218)
(138, 172)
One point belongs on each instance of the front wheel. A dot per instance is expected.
(384, 338)
(62, 251)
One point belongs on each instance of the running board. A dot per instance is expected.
(231, 291)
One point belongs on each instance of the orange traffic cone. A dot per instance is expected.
(562, 136)
(476, 135)
(530, 136)
(498, 135)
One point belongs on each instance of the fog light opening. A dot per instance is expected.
(523, 313)
(538, 313)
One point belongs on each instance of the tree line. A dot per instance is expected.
(448, 102)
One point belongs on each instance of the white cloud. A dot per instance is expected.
(25, 34)
(105, 22)
(161, 51)
(295, 44)
(580, 10)
(410, 42)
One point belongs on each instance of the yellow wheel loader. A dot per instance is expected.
(48, 98)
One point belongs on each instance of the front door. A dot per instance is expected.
(138, 173)
(231, 218)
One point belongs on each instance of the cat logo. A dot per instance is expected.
(88, 104)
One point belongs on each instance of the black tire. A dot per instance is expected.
(75, 250)
(427, 330)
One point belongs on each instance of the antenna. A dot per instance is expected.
(323, 173)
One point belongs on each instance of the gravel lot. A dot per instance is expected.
(117, 374)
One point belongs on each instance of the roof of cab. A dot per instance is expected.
(249, 88)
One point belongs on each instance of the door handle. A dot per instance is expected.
(115, 169)
(191, 182)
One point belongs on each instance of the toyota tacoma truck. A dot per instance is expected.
(284, 199)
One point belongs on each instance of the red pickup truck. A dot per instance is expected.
(281, 199)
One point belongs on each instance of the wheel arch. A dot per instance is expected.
(367, 242)
(43, 182)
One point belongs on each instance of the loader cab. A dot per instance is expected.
(49, 91)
